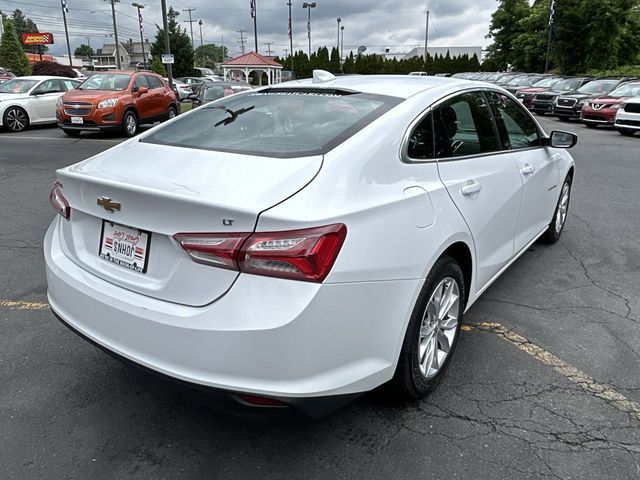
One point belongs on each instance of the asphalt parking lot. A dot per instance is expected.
(544, 383)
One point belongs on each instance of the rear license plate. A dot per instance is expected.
(77, 120)
(125, 246)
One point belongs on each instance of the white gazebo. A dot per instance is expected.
(254, 62)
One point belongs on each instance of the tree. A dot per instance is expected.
(12, 56)
(24, 24)
(212, 54)
(158, 67)
(530, 46)
(54, 69)
(83, 51)
(504, 29)
(180, 44)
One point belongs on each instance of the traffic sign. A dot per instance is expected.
(167, 58)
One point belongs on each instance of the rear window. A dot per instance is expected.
(276, 122)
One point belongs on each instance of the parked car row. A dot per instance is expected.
(595, 101)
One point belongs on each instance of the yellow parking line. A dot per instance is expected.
(584, 381)
(13, 305)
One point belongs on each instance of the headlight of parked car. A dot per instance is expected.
(111, 102)
(59, 102)
(622, 106)
(616, 106)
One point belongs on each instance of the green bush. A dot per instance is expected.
(12, 56)
(626, 71)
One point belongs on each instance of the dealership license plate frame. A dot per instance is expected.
(77, 120)
(103, 248)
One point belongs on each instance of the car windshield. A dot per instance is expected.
(17, 85)
(106, 81)
(567, 85)
(627, 90)
(598, 86)
(546, 83)
(275, 122)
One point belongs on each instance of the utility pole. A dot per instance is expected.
(140, 21)
(115, 32)
(338, 20)
(426, 42)
(309, 6)
(190, 9)
(254, 15)
(269, 51)
(65, 10)
(201, 43)
(167, 44)
(242, 40)
(552, 12)
(291, 38)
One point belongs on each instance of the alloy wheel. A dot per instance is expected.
(563, 207)
(438, 328)
(16, 120)
(131, 124)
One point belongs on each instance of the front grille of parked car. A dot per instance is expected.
(567, 102)
(79, 109)
(543, 97)
(632, 108)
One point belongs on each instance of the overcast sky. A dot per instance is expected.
(395, 24)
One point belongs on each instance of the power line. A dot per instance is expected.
(268, 44)
(242, 40)
(190, 9)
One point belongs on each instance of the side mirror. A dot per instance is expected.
(142, 90)
(560, 139)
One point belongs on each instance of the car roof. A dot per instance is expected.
(41, 77)
(403, 86)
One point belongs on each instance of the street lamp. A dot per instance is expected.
(144, 58)
(309, 6)
(342, 48)
(338, 20)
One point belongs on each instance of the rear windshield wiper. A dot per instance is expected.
(233, 115)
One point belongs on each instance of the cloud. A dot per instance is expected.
(399, 26)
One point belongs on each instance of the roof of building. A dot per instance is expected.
(252, 59)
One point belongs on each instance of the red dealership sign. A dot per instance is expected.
(37, 38)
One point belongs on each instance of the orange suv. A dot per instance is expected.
(116, 100)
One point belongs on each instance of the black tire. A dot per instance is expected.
(591, 125)
(563, 118)
(409, 380)
(130, 123)
(553, 233)
(15, 119)
(71, 133)
(626, 132)
(172, 112)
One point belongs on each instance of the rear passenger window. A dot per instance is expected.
(464, 126)
(153, 82)
(516, 127)
(421, 140)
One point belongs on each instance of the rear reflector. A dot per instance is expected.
(58, 202)
(306, 254)
(255, 401)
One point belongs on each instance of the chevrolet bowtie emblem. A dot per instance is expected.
(108, 205)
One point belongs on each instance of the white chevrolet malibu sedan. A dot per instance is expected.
(297, 245)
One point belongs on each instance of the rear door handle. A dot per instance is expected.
(527, 169)
(471, 188)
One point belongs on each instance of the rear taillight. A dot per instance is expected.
(306, 254)
(58, 202)
(218, 250)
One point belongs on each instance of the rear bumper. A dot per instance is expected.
(278, 338)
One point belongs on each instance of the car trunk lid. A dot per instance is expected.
(164, 190)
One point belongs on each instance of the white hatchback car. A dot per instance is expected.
(303, 243)
(628, 117)
(31, 100)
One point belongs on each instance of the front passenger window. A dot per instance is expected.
(464, 126)
(517, 128)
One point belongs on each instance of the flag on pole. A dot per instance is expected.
(253, 8)
(141, 20)
(64, 6)
(552, 11)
